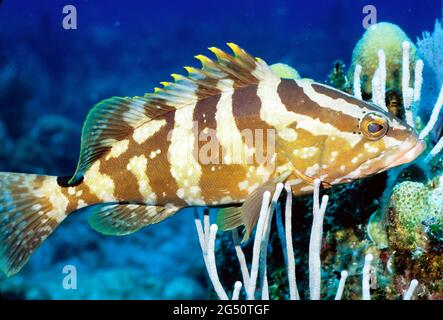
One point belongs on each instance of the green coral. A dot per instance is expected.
(285, 71)
(411, 201)
(418, 213)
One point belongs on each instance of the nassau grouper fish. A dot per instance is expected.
(220, 136)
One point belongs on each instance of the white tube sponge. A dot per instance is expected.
(241, 258)
(382, 75)
(412, 286)
(341, 285)
(207, 244)
(265, 240)
(375, 85)
(293, 291)
(211, 265)
(379, 82)
(315, 242)
(406, 76)
(201, 235)
(436, 150)
(256, 247)
(236, 292)
(366, 294)
(357, 83)
(418, 80)
(407, 92)
(434, 116)
(407, 103)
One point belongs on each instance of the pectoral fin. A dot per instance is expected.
(229, 218)
(247, 214)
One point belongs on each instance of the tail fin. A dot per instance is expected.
(31, 208)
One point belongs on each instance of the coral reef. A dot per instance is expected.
(415, 230)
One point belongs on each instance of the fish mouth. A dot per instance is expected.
(410, 155)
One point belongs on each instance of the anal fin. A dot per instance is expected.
(124, 219)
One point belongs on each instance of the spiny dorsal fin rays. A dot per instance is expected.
(114, 119)
(241, 67)
(241, 54)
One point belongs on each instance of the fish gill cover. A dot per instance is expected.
(379, 237)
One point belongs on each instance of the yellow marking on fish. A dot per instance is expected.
(147, 130)
(184, 167)
(138, 167)
(118, 149)
(51, 191)
(99, 184)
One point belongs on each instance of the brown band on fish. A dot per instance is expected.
(126, 185)
(246, 106)
(163, 184)
(295, 100)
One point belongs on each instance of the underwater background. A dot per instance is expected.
(51, 77)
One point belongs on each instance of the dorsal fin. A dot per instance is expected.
(109, 121)
(114, 119)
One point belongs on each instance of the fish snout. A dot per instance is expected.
(411, 153)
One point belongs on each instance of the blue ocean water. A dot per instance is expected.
(51, 77)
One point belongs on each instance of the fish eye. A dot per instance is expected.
(374, 126)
